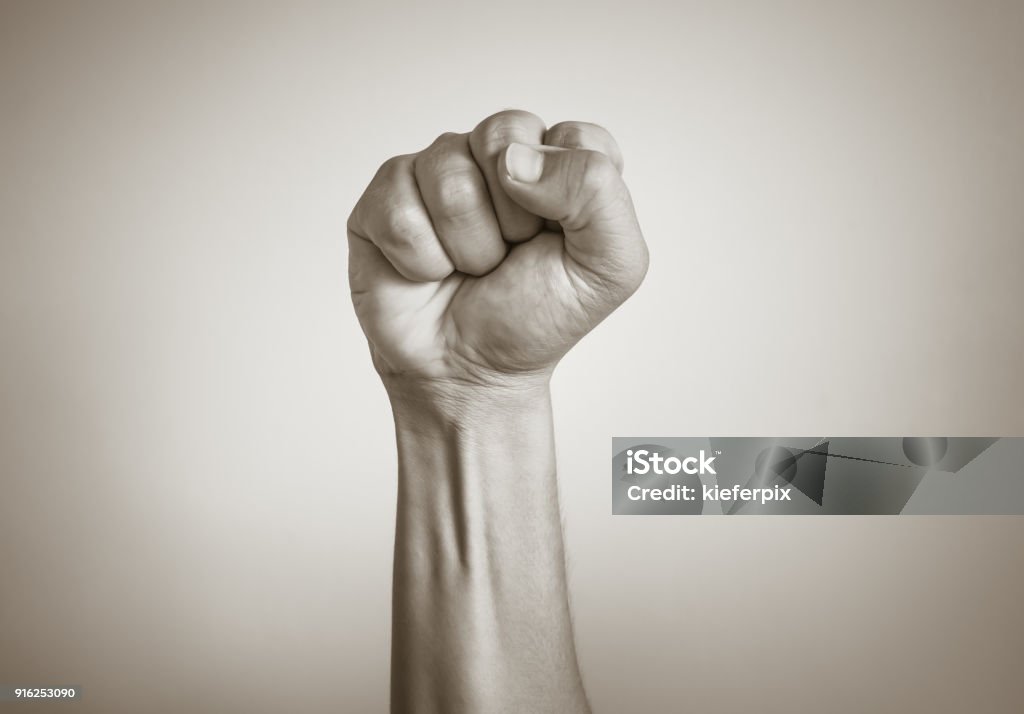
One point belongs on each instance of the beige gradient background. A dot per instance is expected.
(196, 459)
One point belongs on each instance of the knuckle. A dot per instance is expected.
(390, 167)
(442, 146)
(585, 135)
(401, 227)
(427, 271)
(377, 196)
(578, 134)
(440, 155)
(409, 244)
(449, 139)
(596, 172)
(478, 265)
(446, 174)
(498, 130)
(436, 158)
(457, 194)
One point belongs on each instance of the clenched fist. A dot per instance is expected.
(490, 254)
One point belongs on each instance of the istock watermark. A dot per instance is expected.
(817, 475)
(643, 461)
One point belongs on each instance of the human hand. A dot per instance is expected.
(485, 257)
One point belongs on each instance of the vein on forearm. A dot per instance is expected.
(480, 594)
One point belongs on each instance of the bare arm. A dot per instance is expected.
(481, 614)
(475, 265)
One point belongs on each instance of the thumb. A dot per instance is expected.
(583, 191)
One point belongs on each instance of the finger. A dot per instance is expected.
(487, 141)
(584, 135)
(584, 192)
(391, 215)
(367, 266)
(456, 197)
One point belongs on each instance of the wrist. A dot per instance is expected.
(462, 403)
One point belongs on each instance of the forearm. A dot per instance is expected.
(480, 610)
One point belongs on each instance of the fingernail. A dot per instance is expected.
(523, 163)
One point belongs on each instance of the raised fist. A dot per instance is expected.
(490, 254)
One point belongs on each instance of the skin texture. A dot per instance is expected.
(475, 265)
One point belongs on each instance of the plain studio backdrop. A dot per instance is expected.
(197, 460)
